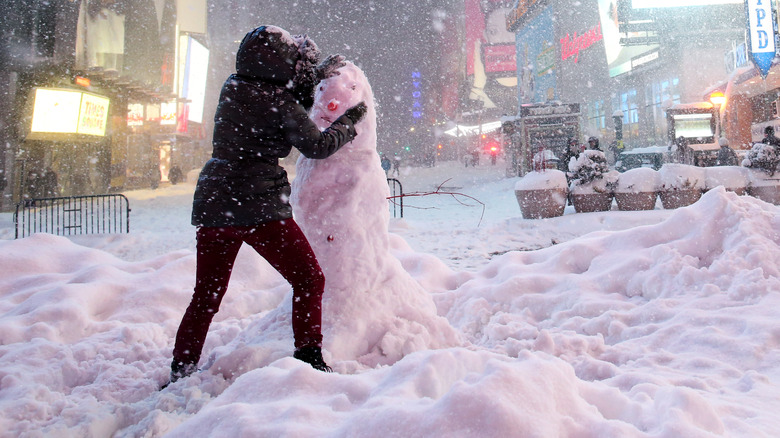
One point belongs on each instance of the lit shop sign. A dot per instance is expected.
(644, 59)
(69, 112)
(416, 95)
(571, 45)
(135, 114)
(168, 113)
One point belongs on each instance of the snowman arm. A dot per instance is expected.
(301, 132)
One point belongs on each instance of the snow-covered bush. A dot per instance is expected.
(762, 156)
(590, 172)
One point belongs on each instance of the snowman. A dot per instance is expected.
(373, 310)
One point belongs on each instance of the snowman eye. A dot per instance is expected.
(333, 105)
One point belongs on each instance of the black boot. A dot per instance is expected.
(179, 370)
(313, 357)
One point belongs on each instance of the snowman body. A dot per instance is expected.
(373, 310)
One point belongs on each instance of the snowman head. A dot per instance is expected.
(337, 93)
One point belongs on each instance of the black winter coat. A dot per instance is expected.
(257, 122)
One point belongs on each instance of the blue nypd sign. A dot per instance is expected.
(761, 32)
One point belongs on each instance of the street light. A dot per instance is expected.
(718, 99)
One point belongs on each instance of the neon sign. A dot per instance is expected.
(571, 46)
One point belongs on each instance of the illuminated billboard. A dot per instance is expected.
(622, 59)
(195, 72)
(653, 4)
(60, 111)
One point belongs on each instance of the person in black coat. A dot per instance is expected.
(242, 194)
(726, 155)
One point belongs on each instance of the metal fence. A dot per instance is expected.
(396, 197)
(94, 214)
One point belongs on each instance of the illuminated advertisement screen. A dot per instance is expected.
(652, 4)
(693, 125)
(536, 76)
(621, 59)
(69, 112)
(56, 111)
(195, 72)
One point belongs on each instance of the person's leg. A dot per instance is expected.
(284, 246)
(216, 251)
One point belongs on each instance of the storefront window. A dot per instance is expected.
(626, 102)
(597, 117)
(660, 95)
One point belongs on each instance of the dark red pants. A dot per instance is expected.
(285, 247)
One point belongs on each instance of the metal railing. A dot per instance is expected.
(93, 214)
(396, 197)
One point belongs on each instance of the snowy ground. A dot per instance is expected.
(615, 324)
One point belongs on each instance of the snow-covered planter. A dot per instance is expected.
(764, 186)
(542, 194)
(680, 185)
(591, 182)
(732, 178)
(762, 157)
(636, 189)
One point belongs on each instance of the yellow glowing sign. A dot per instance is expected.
(69, 112)
(93, 115)
(56, 111)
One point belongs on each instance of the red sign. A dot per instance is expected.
(500, 58)
(571, 46)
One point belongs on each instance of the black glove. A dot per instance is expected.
(357, 112)
(328, 68)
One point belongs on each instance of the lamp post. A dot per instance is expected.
(718, 99)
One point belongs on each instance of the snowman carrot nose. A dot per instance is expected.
(333, 105)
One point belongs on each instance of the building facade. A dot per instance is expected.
(98, 95)
(624, 62)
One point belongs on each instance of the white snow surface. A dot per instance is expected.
(660, 323)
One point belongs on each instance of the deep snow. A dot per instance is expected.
(657, 323)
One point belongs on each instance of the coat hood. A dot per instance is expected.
(269, 53)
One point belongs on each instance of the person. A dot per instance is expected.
(726, 155)
(386, 164)
(397, 166)
(50, 185)
(593, 144)
(770, 138)
(242, 194)
(572, 151)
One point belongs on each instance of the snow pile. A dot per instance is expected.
(629, 324)
(637, 180)
(730, 177)
(677, 176)
(546, 179)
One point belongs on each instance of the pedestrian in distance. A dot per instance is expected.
(771, 138)
(242, 194)
(726, 155)
(397, 166)
(593, 144)
(572, 151)
(386, 164)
